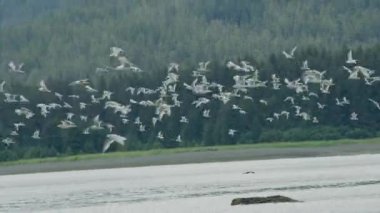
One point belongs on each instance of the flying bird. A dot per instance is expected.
(375, 103)
(15, 68)
(43, 87)
(291, 54)
(350, 60)
(112, 138)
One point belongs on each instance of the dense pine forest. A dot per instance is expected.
(63, 41)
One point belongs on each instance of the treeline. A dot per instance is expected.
(252, 127)
(71, 38)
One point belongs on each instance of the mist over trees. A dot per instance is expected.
(61, 41)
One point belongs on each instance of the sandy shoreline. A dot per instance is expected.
(193, 157)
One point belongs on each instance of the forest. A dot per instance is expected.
(63, 41)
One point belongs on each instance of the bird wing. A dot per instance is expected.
(107, 144)
(286, 54)
(349, 55)
(293, 50)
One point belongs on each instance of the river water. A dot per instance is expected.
(324, 184)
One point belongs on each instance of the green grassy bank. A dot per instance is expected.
(156, 152)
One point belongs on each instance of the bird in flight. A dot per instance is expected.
(350, 60)
(291, 54)
(15, 68)
(111, 138)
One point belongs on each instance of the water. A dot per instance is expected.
(325, 184)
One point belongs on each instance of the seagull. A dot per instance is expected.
(15, 68)
(354, 116)
(58, 95)
(23, 99)
(354, 75)
(178, 139)
(243, 112)
(106, 95)
(305, 65)
(160, 135)
(232, 132)
(82, 105)
(131, 90)
(24, 111)
(90, 89)
(142, 128)
(290, 99)
(375, 103)
(276, 115)
(86, 131)
(234, 106)
(18, 125)
(203, 66)
(206, 113)
(94, 100)
(67, 105)
(111, 138)
(10, 98)
(200, 101)
(116, 52)
(291, 55)
(321, 106)
(350, 60)
(173, 67)
(285, 113)
(8, 141)
(83, 118)
(109, 127)
(371, 80)
(36, 135)
(74, 96)
(246, 97)
(69, 116)
(154, 121)
(43, 87)
(124, 121)
(14, 133)
(54, 106)
(137, 121)
(101, 70)
(2, 87)
(82, 82)
(263, 102)
(97, 123)
(343, 102)
(123, 61)
(184, 120)
(66, 124)
(313, 94)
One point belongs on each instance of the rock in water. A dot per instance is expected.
(259, 200)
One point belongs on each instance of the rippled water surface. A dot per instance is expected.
(325, 184)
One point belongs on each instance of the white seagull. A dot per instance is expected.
(375, 103)
(43, 87)
(291, 54)
(36, 135)
(111, 138)
(15, 68)
(350, 60)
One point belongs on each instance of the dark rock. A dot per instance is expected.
(259, 200)
(249, 172)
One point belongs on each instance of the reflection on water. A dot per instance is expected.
(59, 190)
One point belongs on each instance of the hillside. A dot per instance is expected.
(67, 39)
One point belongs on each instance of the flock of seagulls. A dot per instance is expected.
(165, 98)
